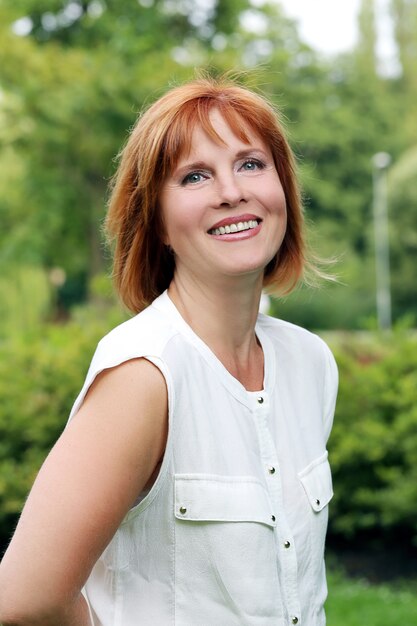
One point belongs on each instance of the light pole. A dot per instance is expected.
(380, 163)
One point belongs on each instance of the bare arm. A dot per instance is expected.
(87, 484)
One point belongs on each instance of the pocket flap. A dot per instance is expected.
(316, 479)
(213, 498)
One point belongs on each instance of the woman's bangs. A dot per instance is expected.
(239, 123)
(179, 135)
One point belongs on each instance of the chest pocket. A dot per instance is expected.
(225, 555)
(316, 479)
(208, 498)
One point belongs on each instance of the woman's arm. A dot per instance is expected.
(84, 489)
(74, 614)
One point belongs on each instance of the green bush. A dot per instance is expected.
(41, 372)
(25, 298)
(373, 445)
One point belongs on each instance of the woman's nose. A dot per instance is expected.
(230, 191)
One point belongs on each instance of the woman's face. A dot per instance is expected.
(223, 206)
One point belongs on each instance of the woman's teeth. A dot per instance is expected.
(234, 228)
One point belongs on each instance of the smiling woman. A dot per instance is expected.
(161, 145)
(192, 483)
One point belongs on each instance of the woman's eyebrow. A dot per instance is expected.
(185, 168)
(198, 165)
(250, 151)
(192, 165)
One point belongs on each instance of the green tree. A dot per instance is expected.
(366, 46)
(65, 112)
(404, 14)
(403, 232)
(72, 87)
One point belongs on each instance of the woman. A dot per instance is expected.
(192, 482)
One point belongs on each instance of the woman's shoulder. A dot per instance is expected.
(146, 333)
(143, 336)
(296, 339)
(282, 329)
(304, 348)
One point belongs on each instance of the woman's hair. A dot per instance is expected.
(143, 264)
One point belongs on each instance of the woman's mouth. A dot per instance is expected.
(234, 227)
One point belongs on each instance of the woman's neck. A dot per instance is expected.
(224, 317)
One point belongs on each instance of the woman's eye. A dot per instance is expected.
(193, 177)
(251, 165)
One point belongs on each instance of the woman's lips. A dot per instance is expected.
(236, 231)
(235, 219)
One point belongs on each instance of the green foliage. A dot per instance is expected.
(40, 376)
(403, 230)
(73, 85)
(373, 445)
(345, 302)
(70, 90)
(64, 116)
(25, 299)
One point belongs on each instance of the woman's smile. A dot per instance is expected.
(236, 228)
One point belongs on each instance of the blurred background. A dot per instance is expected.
(74, 75)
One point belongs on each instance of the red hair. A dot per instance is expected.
(143, 266)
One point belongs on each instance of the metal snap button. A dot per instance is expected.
(273, 518)
(294, 619)
(183, 510)
(287, 544)
(318, 502)
(260, 399)
(271, 469)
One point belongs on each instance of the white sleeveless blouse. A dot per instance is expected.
(232, 532)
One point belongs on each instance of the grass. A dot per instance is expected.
(360, 603)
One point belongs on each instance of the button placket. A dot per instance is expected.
(284, 540)
(283, 537)
(268, 450)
